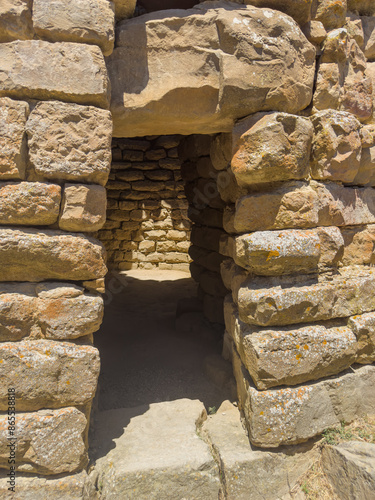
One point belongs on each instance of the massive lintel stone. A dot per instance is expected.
(29, 203)
(37, 69)
(242, 61)
(36, 255)
(48, 374)
(15, 20)
(13, 154)
(75, 21)
(48, 441)
(292, 415)
(70, 142)
(55, 311)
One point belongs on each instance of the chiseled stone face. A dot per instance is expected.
(29, 203)
(13, 154)
(15, 20)
(35, 69)
(216, 80)
(71, 142)
(36, 255)
(48, 441)
(83, 207)
(83, 21)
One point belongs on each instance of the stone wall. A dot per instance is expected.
(147, 222)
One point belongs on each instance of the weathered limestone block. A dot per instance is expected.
(302, 299)
(36, 255)
(366, 171)
(70, 142)
(302, 205)
(292, 415)
(359, 245)
(13, 154)
(350, 468)
(272, 147)
(35, 69)
(342, 81)
(368, 24)
(124, 8)
(332, 13)
(48, 374)
(83, 208)
(48, 441)
(363, 327)
(79, 21)
(337, 146)
(29, 203)
(207, 87)
(300, 10)
(15, 20)
(363, 7)
(315, 32)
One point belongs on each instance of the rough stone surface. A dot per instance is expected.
(83, 208)
(331, 13)
(368, 24)
(15, 20)
(359, 245)
(80, 21)
(29, 203)
(300, 10)
(48, 441)
(337, 146)
(48, 374)
(208, 86)
(124, 8)
(55, 311)
(71, 487)
(302, 205)
(13, 155)
(248, 473)
(70, 142)
(300, 299)
(37, 69)
(272, 147)
(36, 255)
(350, 468)
(363, 7)
(363, 327)
(136, 467)
(292, 415)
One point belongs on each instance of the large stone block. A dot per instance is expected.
(207, 87)
(368, 24)
(83, 208)
(48, 374)
(48, 441)
(79, 21)
(359, 245)
(302, 205)
(271, 147)
(29, 203)
(36, 255)
(331, 13)
(15, 20)
(300, 10)
(336, 150)
(292, 415)
(54, 311)
(70, 142)
(301, 299)
(13, 152)
(36, 69)
(363, 327)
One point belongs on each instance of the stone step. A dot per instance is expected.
(158, 453)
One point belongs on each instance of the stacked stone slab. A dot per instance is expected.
(55, 151)
(147, 223)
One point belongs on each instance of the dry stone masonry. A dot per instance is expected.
(237, 137)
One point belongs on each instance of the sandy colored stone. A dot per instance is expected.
(247, 472)
(13, 153)
(36, 255)
(331, 13)
(371, 74)
(135, 467)
(207, 87)
(48, 374)
(48, 441)
(300, 10)
(36, 69)
(359, 245)
(70, 142)
(363, 327)
(29, 203)
(301, 299)
(79, 21)
(124, 8)
(368, 24)
(83, 208)
(363, 7)
(343, 82)
(95, 285)
(292, 415)
(350, 468)
(314, 32)
(271, 147)
(337, 146)
(15, 20)
(366, 171)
